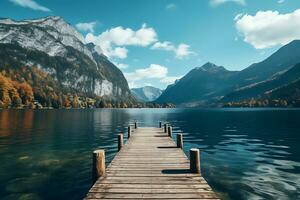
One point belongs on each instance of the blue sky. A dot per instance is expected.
(156, 41)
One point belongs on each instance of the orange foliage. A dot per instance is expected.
(66, 101)
(13, 93)
(25, 91)
(7, 91)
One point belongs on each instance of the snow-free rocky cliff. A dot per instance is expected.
(57, 48)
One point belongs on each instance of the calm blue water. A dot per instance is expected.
(245, 154)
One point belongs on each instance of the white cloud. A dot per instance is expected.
(30, 4)
(280, 1)
(219, 2)
(119, 52)
(112, 42)
(106, 47)
(269, 28)
(171, 6)
(170, 79)
(126, 36)
(87, 26)
(120, 36)
(153, 72)
(120, 65)
(182, 51)
(238, 16)
(168, 46)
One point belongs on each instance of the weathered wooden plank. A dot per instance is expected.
(147, 165)
(148, 171)
(146, 181)
(150, 190)
(150, 166)
(153, 179)
(148, 175)
(99, 195)
(152, 199)
(156, 186)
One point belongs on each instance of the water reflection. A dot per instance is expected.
(252, 154)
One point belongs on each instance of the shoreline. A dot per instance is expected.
(186, 108)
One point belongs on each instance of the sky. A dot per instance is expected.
(155, 42)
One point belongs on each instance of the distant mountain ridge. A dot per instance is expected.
(214, 85)
(199, 85)
(146, 94)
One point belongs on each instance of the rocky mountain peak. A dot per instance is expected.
(52, 35)
(58, 49)
(211, 67)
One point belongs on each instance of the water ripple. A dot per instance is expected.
(252, 154)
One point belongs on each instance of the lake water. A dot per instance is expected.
(245, 154)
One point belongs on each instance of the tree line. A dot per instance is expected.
(32, 88)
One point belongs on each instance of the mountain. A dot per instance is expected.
(146, 94)
(283, 59)
(210, 83)
(55, 51)
(200, 85)
(258, 90)
(288, 92)
(278, 70)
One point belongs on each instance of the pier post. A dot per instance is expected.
(120, 141)
(135, 125)
(165, 127)
(195, 160)
(170, 131)
(98, 164)
(159, 124)
(129, 131)
(179, 141)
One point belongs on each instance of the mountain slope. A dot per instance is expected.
(55, 48)
(287, 95)
(283, 59)
(289, 92)
(201, 84)
(146, 94)
(257, 90)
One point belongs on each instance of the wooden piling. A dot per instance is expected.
(135, 125)
(129, 131)
(195, 160)
(120, 141)
(98, 168)
(159, 124)
(170, 131)
(165, 127)
(179, 141)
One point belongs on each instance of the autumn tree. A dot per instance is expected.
(25, 92)
(7, 92)
(66, 101)
(75, 102)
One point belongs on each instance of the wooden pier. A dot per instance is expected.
(150, 166)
